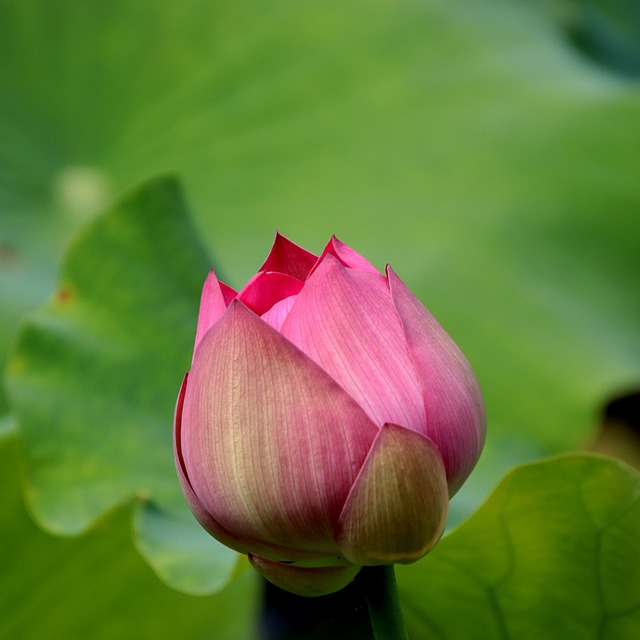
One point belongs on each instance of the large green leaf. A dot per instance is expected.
(97, 587)
(552, 554)
(94, 379)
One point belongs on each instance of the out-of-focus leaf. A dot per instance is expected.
(94, 378)
(97, 587)
(552, 554)
(606, 31)
(7, 425)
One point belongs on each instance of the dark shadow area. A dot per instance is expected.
(339, 616)
(619, 432)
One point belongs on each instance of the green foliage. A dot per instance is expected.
(104, 357)
(552, 554)
(96, 586)
(606, 31)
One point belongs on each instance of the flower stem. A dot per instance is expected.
(381, 593)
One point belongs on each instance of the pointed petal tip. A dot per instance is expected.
(280, 237)
(347, 256)
(238, 307)
(350, 257)
(304, 580)
(215, 298)
(289, 258)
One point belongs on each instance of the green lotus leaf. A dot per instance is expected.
(96, 586)
(95, 375)
(553, 553)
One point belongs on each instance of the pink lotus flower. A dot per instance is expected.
(326, 420)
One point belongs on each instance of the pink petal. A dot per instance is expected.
(346, 255)
(289, 258)
(305, 581)
(239, 543)
(215, 298)
(267, 288)
(453, 402)
(345, 320)
(201, 514)
(277, 314)
(271, 444)
(397, 509)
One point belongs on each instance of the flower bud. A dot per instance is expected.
(326, 420)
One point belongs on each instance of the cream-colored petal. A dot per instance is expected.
(240, 543)
(397, 509)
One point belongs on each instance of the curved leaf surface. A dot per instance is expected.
(97, 587)
(94, 377)
(552, 554)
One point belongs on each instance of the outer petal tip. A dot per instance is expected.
(346, 255)
(304, 580)
(289, 258)
(397, 508)
(214, 300)
(350, 257)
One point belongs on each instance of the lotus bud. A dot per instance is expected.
(326, 420)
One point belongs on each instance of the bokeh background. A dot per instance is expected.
(489, 150)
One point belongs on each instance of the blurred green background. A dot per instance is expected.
(489, 150)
